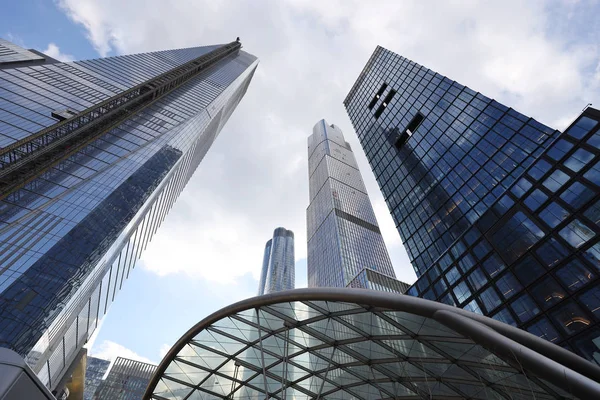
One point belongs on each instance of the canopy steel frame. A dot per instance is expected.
(544, 360)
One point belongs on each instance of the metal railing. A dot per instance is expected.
(24, 160)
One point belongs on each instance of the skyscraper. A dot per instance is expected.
(441, 152)
(94, 372)
(278, 269)
(498, 212)
(126, 380)
(93, 155)
(343, 235)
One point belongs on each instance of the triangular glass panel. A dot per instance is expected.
(335, 306)
(367, 391)
(404, 370)
(185, 372)
(208, 359)
(287, 309)
(477, 391)
(370, 350)
(189, 354)
(249, 315)
(237, 329)
(306, 339)
(343, 395)
(162, 389)
(408, 322)
(396, 389)
(269, 322)
(334, 330)
(447, 371)
(455, 350)
(435, 389)
(364, 322)
(178, 391)
(519, 380)
(304, 311)
(411, 348)
(224, 343)
(366, 372)
(385, 328)
(342, 377)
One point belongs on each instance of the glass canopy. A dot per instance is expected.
(361, 344)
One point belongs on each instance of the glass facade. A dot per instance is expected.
(441, 152)
(278, 269)
(536, 251)
(126, 380)
(343, 235)
(530, 256)
(94, 372)
(11, 53)
(70, 235)
(265, 267)
(340, 343)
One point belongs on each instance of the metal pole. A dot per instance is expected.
(325, 376)
(262, 353)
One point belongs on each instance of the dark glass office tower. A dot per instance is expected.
(126, 380)
(278, 269)
(343, 235)
(93, 155)
(441, 152)
(531, 257)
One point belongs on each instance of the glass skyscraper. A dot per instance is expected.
(343, 235)
(441, 152)
(498, 212)
(278, 269)
(93, 155)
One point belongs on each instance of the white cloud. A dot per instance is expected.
(217, 248)
(109, 350)
(54, 51)
(255, 178)
(164, 349)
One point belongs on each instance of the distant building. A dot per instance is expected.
(278, 269)
(94, 372)
(344, 238)
(126, 380)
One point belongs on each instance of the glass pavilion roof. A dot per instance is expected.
(360, 344)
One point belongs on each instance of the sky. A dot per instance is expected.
(541, 58)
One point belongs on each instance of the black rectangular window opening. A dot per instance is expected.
(377, 96)
(412, 126)
(385, 103)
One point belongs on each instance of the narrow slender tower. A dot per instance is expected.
(278, 272)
